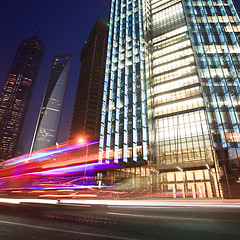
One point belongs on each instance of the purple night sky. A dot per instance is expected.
(64, 27)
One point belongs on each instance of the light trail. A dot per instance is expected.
(19, 201)
(149, 203)
(125, 203)
(45, 154)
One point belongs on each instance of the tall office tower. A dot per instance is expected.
(88, 103)
(189, 54)
(16, 93)
(51, 109)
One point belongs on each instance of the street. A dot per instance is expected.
(105, 221)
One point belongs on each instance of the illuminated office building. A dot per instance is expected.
(50, 113)
(177, 61)
(88, 102)
(16, 93)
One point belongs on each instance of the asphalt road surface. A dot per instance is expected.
(167, 220)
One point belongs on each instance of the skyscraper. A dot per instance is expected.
(178, 61)
(16, 93)
(88, 103)
(50, 112)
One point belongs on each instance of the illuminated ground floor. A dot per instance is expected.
(145, 180)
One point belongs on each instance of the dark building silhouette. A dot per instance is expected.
(16, 93)
(51, 109)
(88, 103)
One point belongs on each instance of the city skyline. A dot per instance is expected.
(59, 35)
(132, 128)
(16, 28)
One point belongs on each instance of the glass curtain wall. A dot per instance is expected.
(215, 30)
(123, 121)
(180, 137)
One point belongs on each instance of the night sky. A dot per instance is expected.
(64, 27)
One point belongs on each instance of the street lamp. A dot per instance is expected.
(184, 182)
(81, 140)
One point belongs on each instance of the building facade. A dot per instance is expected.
(16, 93)
(50, 113)
(178, 61)
(88, 102)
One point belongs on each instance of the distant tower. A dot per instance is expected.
(16, 93)
(50, 112)
(88, 103)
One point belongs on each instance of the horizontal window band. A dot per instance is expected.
(178, 89)
(179, 113)
(178, 100)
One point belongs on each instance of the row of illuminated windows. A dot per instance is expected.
(157, 3)
(123, 53)
(124, 12)
(167, 21)
(170, 34)
(215, 19)
(163, 4)
(127, 62)
(217, 49)
(199, 145)
(232, 28)
(218, 10)
(214, 61)
(189, 176)
(168, 12)
(172, 56)
(222, 84)
(170, 41)
(180, 106)
(176, 95)
(182, 131)
(160, 27)
(215, 72)
(222, 103)
(176, 74)
(193, 118)
(208, 3)
(129, 152)
(197, 149)
(176, 84)
(185, 157)
(173, 65)
(172, 48)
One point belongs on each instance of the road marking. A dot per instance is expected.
(161, 217)
(171, 217)
(68, 231)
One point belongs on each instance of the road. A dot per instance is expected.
(126, 220)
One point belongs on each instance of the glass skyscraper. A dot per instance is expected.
(171, 95)
(16, 93)
(50, 113)
(124, 118)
